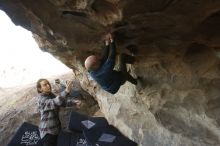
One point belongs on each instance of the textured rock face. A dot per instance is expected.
(179, 104)
(178, 43)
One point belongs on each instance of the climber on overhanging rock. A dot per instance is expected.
(48, 105)
(101, 69)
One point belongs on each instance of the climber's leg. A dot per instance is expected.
(49, 140)
(132, 49)
(124, 59)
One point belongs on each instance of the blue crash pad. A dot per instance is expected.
(80, 122)
(107, 136)
(72, 139)
(64, 138)
(27, 135)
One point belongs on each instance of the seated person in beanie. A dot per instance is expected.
(101, 69)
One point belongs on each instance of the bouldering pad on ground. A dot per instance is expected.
(107, 136)
(27, 135)
(80, 122)
(72, 139)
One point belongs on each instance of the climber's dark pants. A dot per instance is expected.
(126, 59)
(50, 140)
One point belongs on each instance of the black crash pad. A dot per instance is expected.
(64, 138)
(80, 122)
(107, 136)
(27, 135)
(72, 139)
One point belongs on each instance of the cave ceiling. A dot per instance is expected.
(73, 29)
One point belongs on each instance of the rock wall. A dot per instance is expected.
(179, 102)
(178, 50)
